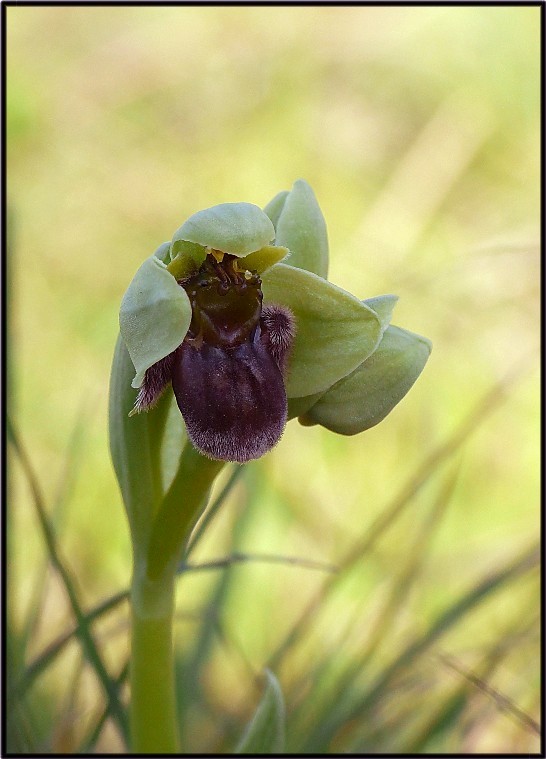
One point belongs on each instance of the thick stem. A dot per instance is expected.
(153, 708)
(154, 726)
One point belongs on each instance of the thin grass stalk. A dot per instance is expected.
(454, 613)
(401, 584)
(84, 633)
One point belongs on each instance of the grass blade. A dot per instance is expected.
(89, 647)
(47, 657)
(453, 614)
(401, 584)
(266, 731)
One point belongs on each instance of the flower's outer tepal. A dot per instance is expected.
(300, 226)
(274, 208)
(335, 331)
(367, 395)
(234, 228)
(154, 317)
(383, 306)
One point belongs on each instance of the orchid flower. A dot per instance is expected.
(236, 314)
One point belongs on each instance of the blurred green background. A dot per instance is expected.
(418, 128)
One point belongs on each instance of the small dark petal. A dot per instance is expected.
(278, 331)
(232, 399)
(156, 379)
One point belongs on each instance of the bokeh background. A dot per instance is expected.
(418, 128)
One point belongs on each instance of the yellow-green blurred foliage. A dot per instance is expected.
(418, 128)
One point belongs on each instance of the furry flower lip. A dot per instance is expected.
(228, 373)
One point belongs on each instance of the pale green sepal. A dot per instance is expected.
(265, 258)
(164, 252)
(274, 207)
(365, 397)
(302, 229)
(383, 306)
(335, 332)
(236, 228)
(265, 733)
(154, 317)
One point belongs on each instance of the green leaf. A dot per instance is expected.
(154, 317)
(89, 647)
(130, 449)
(302, 229)
(335, 332)
(265, 733)
(236, 228)
(365, 397)
(274, 208)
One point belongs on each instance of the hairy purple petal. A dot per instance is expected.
(232, 399)
(156, 380)
(279, 327)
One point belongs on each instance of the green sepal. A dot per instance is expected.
(365, 397)
(302, 229)
(265, 733)
(274, 208)
(236, 228)
(383, 306)
(154, 316)
(335, 332)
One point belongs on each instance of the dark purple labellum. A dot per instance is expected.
(232, 399)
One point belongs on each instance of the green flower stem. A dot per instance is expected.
(153, 724)
(154, 727)
(180, 510)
